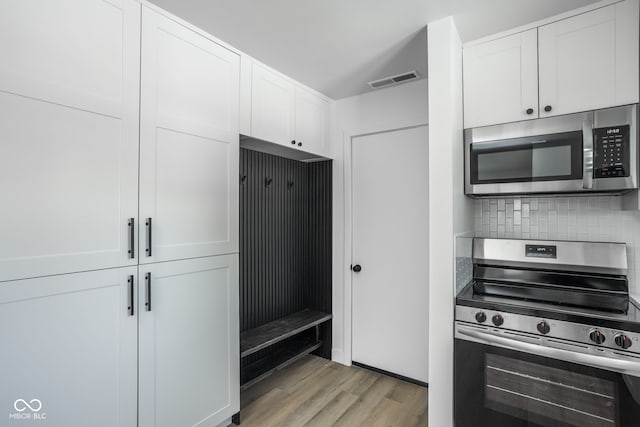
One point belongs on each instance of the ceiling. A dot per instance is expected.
(337, 46)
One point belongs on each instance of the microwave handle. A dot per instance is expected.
(587, 152)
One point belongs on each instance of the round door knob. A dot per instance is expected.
(543, 327)
(357, 268)
(622, 341)
(299, 144)
(497, 320)
(293, 142)
(481, 317)
(596, 336)
(529, 111)
(548, 108)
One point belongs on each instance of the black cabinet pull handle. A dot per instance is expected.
(529, 111)
(293, 142)
(548, 108)
(132, 237)
(356, 268)
(149, 237)
(299, 144)
(131, 300)
(147, 304)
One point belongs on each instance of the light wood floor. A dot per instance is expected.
(318, 392)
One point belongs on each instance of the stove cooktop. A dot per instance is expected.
(629, 321)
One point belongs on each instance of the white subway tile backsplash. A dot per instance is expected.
(595, 218)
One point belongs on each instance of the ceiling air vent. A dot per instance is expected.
(388, 81)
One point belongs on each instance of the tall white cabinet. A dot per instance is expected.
(69, 84)
(189, 143)
(70, 341)
(119, 227)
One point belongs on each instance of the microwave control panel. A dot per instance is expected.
(611, 152)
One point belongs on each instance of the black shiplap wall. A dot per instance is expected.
(285, 240)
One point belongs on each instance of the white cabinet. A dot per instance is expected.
(189, 342)
(69, 84)
(70, 341)
(189, 143)
(273, 103)
(501, 80)
(312, 122)
(283, 112)
(590, 61)
(585, 62)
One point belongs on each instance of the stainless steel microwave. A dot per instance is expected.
(594, 151)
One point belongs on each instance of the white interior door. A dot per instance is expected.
(69, 350)
(390, 241)
(189, 143)
(189, 342)
(69, 91)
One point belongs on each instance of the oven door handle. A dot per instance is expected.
(609, 364)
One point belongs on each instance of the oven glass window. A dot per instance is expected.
(542, 158)
(519, 389)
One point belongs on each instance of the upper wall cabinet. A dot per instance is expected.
(581, 63)
(276, 109)
(501, 80)
(189, 143)
(69, 85)
(590, 61)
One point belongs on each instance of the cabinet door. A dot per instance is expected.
(590, 61)
(69, 350)
(273, 101)
(189, 342)
(312, 122)
(189, 143)
(69, 84)
(501, 80)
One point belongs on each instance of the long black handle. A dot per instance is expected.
(149, 236)
(131, 300)
(147, 304)
(132, 237)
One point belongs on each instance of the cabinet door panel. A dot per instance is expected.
(69, 129)
(312, 122)
(189, 342)
(189, 142)
(70, 342)
(272, 107)
(500, 80)
(590, 61)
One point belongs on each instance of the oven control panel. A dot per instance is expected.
(574, 333)
(611, 152)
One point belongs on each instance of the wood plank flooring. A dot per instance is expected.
(320, 393)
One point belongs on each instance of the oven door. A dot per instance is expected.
(500, 386)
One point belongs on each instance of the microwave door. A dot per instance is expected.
(528, 164)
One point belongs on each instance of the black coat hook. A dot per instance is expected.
(243, 178)
(268, 181)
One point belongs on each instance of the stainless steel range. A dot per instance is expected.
(546, 335)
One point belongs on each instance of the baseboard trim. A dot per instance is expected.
(391, 374)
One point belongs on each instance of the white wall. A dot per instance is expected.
(450, 212)
(395, 107)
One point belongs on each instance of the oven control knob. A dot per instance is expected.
(497, 320)
(543, 327)
(622, 341)
(596, 336)
(481, 317)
